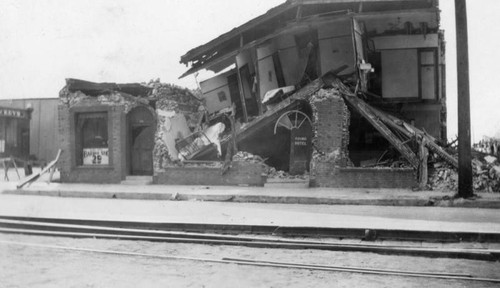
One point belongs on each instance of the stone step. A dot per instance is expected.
(137, 180)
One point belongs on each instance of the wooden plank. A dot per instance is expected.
(423, 172)
(369, 115)
(412, 131)
(33, 177)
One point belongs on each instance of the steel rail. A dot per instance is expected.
(21, 227)
(286, 231)
(264, 263)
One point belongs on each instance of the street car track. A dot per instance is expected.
(105, 232)
(268, 263)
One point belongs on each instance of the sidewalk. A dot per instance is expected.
(439, 222)
(330, 196)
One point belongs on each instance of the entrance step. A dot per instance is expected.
(287, 183)
(138, 180)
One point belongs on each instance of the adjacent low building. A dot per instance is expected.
(15, 132)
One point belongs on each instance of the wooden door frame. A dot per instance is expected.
(129, 140)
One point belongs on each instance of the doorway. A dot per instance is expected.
(141, 132)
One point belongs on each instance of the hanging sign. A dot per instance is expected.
(95, 156)
(14, 113)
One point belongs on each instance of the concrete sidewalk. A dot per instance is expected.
(416, 219)
(330, 196)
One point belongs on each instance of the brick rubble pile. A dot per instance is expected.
(485, 175)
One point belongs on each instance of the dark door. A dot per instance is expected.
(250, 99)
(234, 92)
(141, 132)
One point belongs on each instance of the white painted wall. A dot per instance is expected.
(405, 41)
(211, 88)
(267, 74)
(336, 46)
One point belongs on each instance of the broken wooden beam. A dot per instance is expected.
(34, 177)
(411, 131)
(376, 122)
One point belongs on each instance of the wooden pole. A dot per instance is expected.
(423, 171)
(464, 142)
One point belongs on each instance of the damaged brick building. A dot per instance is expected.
(360, 75)
(338, 93)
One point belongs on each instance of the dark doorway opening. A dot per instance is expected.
(141, 131)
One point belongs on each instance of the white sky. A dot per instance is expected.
(45, 41)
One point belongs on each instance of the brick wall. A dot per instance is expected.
(70, 170)
(328, 175)
(329, 167)
(241, 173)
(331, 127)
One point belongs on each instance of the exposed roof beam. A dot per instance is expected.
(305, 22)
(200, 50)
(312, 2)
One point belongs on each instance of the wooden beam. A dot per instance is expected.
(242, 94)
(369, 115)
(423, 173)
(412, 131)
(34, 177)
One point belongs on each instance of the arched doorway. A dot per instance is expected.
(141, 127)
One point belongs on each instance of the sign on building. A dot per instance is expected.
(95, 156)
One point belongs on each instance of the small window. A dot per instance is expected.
(92, 139)
(222, 96)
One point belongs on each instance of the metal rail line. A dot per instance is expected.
(275, 264)
(88, 231)
(274, 230)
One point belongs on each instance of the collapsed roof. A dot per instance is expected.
(219, 53)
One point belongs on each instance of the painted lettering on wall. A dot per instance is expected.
(15, 113)
(95, 156)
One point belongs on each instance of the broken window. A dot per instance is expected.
(92, 139)
(222, 96)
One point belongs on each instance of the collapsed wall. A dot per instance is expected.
(179, 114)
(330, 164)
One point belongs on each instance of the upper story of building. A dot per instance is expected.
(393, 49)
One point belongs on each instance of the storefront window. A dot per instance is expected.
(92, 139)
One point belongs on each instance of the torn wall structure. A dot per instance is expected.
(275, 72)
(110, 131)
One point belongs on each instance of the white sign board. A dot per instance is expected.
(95, 156)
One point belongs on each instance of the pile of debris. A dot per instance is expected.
(485, 175)
(247, 157)
(280, 174)
(169, 97)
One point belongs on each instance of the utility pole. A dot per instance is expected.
(464, 143)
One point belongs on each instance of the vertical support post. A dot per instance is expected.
(423, 171)
(242, 94)
(464, 141)
(257, 79)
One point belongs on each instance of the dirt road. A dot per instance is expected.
(24, 266)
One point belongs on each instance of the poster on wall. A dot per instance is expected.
(95, 156)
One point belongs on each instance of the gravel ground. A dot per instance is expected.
(26, 266)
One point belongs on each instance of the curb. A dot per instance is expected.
(444, 201)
